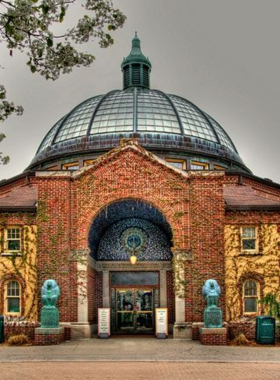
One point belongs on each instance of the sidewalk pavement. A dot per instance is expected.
(139, 350)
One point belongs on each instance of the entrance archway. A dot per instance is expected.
(132, 292)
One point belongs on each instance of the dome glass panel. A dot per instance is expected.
(115, 114)
(48, 139)
(194, 122)
(76, 124)
(155, 113)
(224, 138)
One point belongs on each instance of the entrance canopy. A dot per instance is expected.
(130, 225)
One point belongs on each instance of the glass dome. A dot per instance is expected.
(163, 123)
(137, 110)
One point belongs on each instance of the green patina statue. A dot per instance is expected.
(49, 313)
(212, 313)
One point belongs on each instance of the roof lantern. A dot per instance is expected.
(136, 67)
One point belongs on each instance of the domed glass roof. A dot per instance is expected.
(136, 110)
(164, 123)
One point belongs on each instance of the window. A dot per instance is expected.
(13, 239)
(250, 296)
(180, 164)
(196, 165)
(248, 239)
(72, 166)
(89, 162)
(13, 297)
(218, 167)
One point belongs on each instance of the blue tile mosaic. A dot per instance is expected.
(155, 230)
(134, 235)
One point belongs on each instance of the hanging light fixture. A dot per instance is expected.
(133, 259)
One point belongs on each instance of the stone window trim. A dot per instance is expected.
(3, 295)
(89, 162)
(249, 239)
(71, 166)
(251, 292)
(177, 163)
(218, 167)
(12, 240)
(199, 165)
(12, 293)
(240, 284)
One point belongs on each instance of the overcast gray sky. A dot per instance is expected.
(222, 55)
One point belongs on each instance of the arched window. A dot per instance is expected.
(13, 297)
(250, 296)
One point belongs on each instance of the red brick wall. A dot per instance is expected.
(193, 206)
(95, 293)
(206, 236)
(213, 339)
(55, 242)
(129, 175)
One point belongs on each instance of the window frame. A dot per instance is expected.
(71, 165)
(89, 162)
(6, 250)
(177, 160)
(205, 165)
(243, 238)
(219, 167)
(251, 296)
(7, 297)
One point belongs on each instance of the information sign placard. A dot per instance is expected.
(104, 323)
(161, 323)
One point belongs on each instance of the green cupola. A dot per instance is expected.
(136, 67)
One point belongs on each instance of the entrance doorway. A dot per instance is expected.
(134, 297)
(135, 310)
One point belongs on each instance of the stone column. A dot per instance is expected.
(163, 288)
(81, 328)
(182, 329)
(106, 289)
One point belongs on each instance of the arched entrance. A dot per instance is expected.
(132, 292)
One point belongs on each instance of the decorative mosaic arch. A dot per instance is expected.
(130, 225)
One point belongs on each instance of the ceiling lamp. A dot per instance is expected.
(133, 259)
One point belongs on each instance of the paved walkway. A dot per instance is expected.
(139, 350)
(139, 371)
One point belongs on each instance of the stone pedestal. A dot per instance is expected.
(213, 336)
(49, 317)
(47, 336)
(182, 330)
(213, 317)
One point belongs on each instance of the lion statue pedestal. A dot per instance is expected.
(50, 332)
(212, 313)
(49, 312)
(213, 332)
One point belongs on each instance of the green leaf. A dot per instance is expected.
(49, 42)
(33, 69)
(62, 14)
(111, 27)
(45, 8)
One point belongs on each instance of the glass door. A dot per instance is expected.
(134, 309)
(125, 309)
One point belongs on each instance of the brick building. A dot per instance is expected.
(137, 174)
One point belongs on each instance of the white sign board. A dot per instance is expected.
(161, 322)
(104, 323)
